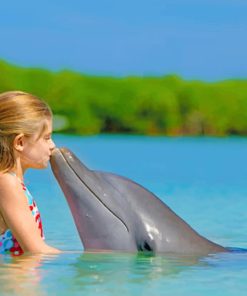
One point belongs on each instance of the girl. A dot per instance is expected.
(25, 142)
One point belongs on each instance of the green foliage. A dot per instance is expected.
(139, 105)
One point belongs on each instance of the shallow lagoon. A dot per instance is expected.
(202, 179)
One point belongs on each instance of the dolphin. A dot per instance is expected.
(116, 214)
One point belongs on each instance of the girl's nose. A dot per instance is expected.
(52, 144)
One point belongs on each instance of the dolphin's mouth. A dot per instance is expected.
(69, 158)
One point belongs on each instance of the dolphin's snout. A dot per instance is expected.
(61, 156)
(61, 153)
(62, 150)
(55, 151)
(58, 157)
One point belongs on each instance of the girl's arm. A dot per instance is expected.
(18, 217)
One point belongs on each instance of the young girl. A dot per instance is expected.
(25, 142)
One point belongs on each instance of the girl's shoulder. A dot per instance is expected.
(7, 178)
(12, 197)
(9, 183)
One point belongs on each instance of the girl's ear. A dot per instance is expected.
(19, 142)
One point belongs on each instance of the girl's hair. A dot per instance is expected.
(20, 112)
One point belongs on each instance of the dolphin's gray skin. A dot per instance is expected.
(115, 213)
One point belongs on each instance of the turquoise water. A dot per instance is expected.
(202, 179)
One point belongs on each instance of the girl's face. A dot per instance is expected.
(37, 149)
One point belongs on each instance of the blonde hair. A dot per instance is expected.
(20, 112)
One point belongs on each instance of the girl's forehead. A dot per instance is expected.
(45, 127)
(48, 125)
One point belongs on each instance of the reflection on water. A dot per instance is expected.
(29, 275)
(21, 275)
(73, 273)
(132, 268)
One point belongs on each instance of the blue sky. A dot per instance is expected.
(196, 39)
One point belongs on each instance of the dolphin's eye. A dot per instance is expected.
(146, 247)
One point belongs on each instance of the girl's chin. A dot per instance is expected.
(41, 165)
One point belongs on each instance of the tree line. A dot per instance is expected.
(166, 105)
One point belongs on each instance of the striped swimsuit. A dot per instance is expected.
(8, 243)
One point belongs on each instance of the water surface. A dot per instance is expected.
(201, 179)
